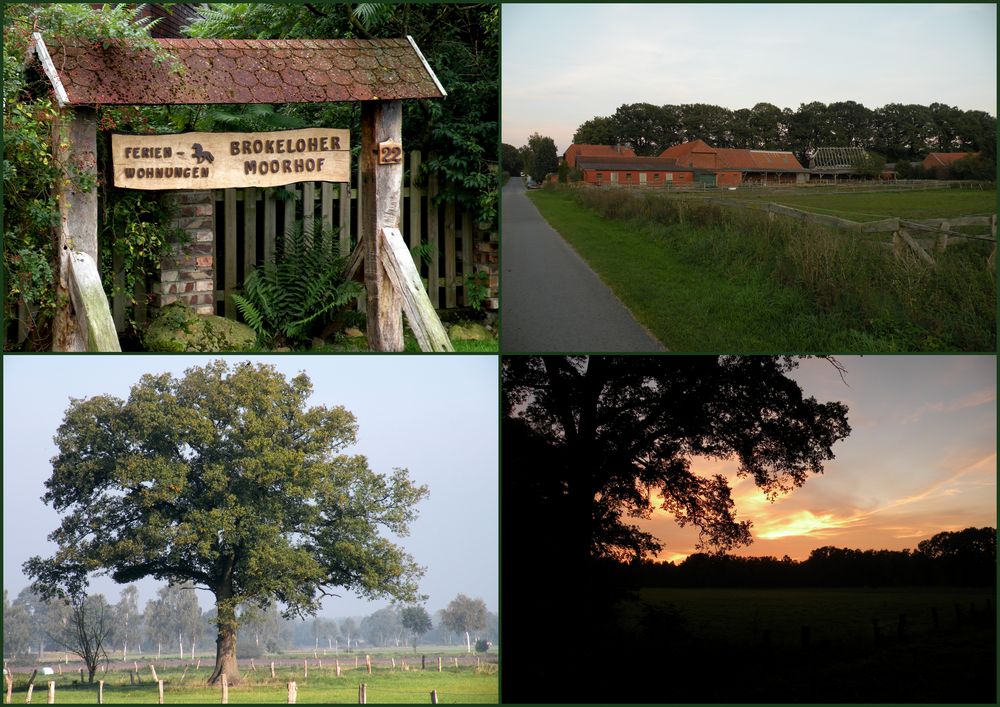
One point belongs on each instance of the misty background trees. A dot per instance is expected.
(32, 625)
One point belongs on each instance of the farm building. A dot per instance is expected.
(730, 166)
(573, 152)
(633, 171)
(837, 162)
(941, 162)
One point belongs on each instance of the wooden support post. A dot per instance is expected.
(423, 662)
(326, 206)
(338, 668)
(27, 699)
(159, 692)
(100, 692)
(81, 676)
(10, 686)
(131, 677)
(439, 664)
(252, 666)
(75, 151)
(52, 692)
(305, 669)
(415, 196)
(308, 205)
(152, 669)
(272, 670)
(434, 697)
(368, 662)
(382, 187)
(364, 693)
(405, 280)
(225, 689)
(292, 693)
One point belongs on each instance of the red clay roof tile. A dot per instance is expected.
(242, 71)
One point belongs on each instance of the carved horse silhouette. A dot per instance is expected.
(200, 154)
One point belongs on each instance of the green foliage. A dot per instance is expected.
(284, 297)
(457, 135)
(477, 289)
(870, 166)
(482, 645)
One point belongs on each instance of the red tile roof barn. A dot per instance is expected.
(575, 151)
(945, 159)
(238, 71)
(729, 158)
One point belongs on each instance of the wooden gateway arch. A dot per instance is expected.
(378, 73)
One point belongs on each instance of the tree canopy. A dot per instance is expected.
(228, 479)
(898, 131)
(619, 435)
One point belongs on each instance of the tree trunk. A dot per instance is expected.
(225, 644)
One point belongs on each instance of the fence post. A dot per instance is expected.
(31, 688)
(305, 669)
(368, 662)
(100, 692)
(292, 693)
(434, 697)
(225, 690)
(81, 676)
(272, 669)
(423, 662)
(338, 667)
(439, 664)
(159, 691)
(52, 692)
(10, 686)
(153, 669)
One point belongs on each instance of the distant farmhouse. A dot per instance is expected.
(690, 162)
(696, 162)
(939, 163)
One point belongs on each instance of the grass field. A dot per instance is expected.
(835, 615)
(719, 283)
(872, 206)
(464, 685)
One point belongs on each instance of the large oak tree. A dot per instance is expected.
(225, 478)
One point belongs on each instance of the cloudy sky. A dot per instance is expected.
(434, 415)
(564, 64)
(921, 458)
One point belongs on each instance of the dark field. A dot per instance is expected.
(820, 645)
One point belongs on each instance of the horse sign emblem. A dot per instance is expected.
(223, 160)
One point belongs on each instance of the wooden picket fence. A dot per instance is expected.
(249, 223)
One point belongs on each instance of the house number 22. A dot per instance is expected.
(390, 152)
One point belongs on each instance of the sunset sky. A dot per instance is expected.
(565, 64)
(921, 459)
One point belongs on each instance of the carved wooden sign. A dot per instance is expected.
(390, 152)
(222, 160)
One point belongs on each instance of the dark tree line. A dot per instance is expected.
(966, 558)
(896, 131)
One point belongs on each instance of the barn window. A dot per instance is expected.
(600, 175)
(628, 176)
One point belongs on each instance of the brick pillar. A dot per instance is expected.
(187, 272)
(487, 260)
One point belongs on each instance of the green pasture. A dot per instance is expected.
(463, 685)
(876, 205)
(842, 615)
(728, 280)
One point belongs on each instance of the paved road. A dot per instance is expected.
(551, 299)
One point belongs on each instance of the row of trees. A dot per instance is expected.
(966, 558)
(897, 131)
(173, 623)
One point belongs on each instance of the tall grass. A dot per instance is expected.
(885, 302)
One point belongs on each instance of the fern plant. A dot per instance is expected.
(284, 297)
